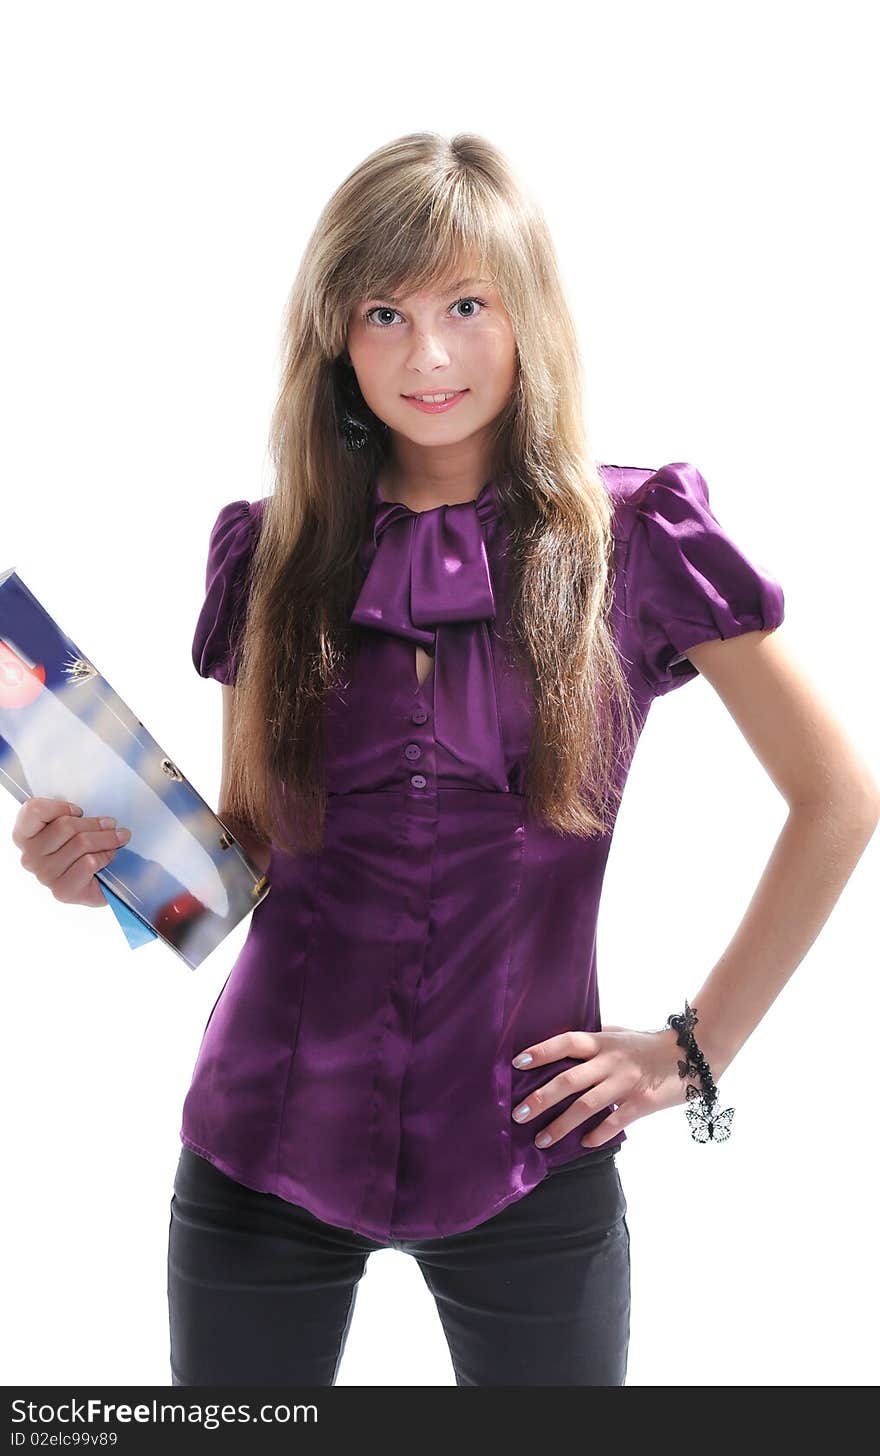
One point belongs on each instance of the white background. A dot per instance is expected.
(703, 172)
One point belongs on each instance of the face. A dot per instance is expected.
(429, 343)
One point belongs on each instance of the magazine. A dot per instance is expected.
(182, 877)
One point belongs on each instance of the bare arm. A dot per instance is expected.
(834, 808)
(259, 851)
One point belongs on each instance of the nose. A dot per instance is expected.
(428, 352)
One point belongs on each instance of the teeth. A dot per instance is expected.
(436, 398)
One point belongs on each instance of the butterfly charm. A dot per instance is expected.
(688, 1021)
(706, 1124)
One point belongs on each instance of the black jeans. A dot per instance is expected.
(261, 1292)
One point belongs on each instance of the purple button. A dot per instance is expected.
(419, 715)
(418, 781)
(413, 751)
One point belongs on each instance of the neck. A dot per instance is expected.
(422, 497)
(420, 480)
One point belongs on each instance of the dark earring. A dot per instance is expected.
(355, 435)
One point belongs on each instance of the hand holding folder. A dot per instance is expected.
(182, 877)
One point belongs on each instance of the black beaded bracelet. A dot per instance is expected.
(706, 1124)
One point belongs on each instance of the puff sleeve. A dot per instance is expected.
(687, 581)
(221, 617)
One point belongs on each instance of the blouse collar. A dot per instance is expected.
(426, 567)
(486, 503)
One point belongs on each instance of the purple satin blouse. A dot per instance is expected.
(358, 1058)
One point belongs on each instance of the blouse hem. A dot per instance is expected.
(313, 1206)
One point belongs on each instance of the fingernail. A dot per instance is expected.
(543, 1140)
(523, 1059)
(106, 823)
(522, 1112)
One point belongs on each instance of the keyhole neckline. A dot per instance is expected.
(423, 685)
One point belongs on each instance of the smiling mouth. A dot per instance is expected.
(437, 397)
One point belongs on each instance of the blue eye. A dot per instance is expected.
(383, 308)
(386, 308)
(478, 301)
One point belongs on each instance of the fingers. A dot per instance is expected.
(94, 896)
(566, 1044)
(577, 1079)
(609, 1127)
(34, 815)
(601, 1092)
(70, 870)
(64, 849)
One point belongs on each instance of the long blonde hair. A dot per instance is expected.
(406, 218)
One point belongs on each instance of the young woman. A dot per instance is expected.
(439, 639)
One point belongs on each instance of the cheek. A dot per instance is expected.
(370, 368)
(498, 362)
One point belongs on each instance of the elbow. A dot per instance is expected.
(869, 803)
(862, 811)
(874, 810)
(855, 804)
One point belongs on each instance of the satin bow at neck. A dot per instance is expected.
(428, 581)
(425, 568)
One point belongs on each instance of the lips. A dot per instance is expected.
(434, 391)
(426, 408)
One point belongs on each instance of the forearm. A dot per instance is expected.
(812, 859)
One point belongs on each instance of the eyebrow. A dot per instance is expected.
(462, 283)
